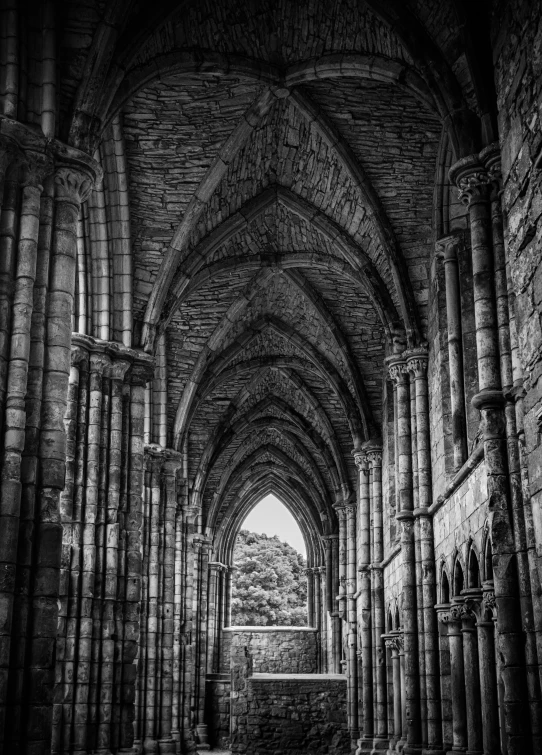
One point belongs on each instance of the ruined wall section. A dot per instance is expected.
(517, 46)
(274, 650)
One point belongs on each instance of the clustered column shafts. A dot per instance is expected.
(472, 178)
(374, 457)
(364, 600)
(351, 619)
(405, 518)
(417, 364)
(43, 184)
(99, 597)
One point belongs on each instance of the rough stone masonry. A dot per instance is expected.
(272, 247)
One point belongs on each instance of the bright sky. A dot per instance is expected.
(271, 517)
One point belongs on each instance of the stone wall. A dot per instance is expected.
(292, 714)
(274, 650)
(460, 520)
(517, 45)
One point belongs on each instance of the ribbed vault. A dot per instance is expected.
(281, 198)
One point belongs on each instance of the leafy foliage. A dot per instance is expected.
(270, 587)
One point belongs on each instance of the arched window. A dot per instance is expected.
(474, 569)
(397, 618)
(488, 560)
(444, 588)
(459, 580)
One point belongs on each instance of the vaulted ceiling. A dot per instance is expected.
(282, 161)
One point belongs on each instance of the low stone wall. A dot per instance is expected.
(274, 650)
(292, 714)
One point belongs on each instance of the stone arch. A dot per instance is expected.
(358, 426)
(362, 269)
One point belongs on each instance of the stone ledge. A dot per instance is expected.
(297, 677)
(269, 629)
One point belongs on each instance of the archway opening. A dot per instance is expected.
(269, 586)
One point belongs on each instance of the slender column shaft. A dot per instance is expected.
(488, 683)
(472, 682)
(418, 364)
(365, 692)
(405, 519)
(447, 248)
(374, 456)
(176, 705)
(171, 465)
(457, 676)
(352, 667)
(139, 375)
(310, 597)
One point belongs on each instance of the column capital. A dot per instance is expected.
(447, 247)
(417, 360)
(99, 362)
(373, 450)
(9, 151)
(117, 370)
(397, 368)
(490, 156)
(76, 174)
(360, 459)
(471, 178)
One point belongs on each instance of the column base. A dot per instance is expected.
(365, 747)
(380, 744)
(150, 747)
(412, 749)
(167, 746)
(436, 751)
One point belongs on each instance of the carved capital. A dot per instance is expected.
(118, 369)
(99, 361)
(374, 453)
(471, 178)
(417, 361)
(447, 247)
(73, 183)
(397, 369)
(360, 460)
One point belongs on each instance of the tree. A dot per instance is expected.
(270, 586)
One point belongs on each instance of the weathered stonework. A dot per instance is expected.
(274, 247)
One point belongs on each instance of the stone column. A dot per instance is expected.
(472, 181)
(374, 457)
(447, 249)
(16, 513)
(172, 463)
(452, 619)
(442, 611)
(352, 666)
(309, 572)
(392, 643)
(364, 600)
(417, 363)
(405, 518)
(74, 177)
(117, 373)
(469, 613)
(319, 578)
(488, 673)
(139, 375)
(341, 597)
